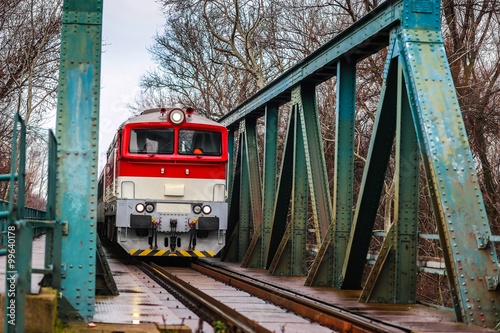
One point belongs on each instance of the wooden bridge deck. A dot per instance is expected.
(417, 317)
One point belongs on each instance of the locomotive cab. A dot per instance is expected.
(164, 186)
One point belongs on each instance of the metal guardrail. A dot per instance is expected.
(31, 213)
(19, 225)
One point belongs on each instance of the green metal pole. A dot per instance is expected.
(291, 253)
(407, 188)
(256, 254)
(270, 181)
(283, 196)
(230, 251)
(77, 135)
(461, 220)
(245, 218)
(254, 177)
(344, 164)
(19, 237)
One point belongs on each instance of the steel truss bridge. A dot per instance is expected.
(418, 117)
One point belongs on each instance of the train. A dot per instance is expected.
(163, 189)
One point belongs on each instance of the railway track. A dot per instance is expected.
(327, 315)
(244, 304)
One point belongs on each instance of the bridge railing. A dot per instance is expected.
(31, 213)
(19, 225)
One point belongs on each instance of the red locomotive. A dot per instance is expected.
(163, 189)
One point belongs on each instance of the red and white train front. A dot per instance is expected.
(163, 188)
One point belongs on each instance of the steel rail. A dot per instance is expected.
(328, 315)
(209, 306)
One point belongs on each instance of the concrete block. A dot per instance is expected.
(41, 312)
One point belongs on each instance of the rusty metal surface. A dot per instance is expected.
(256, 315)
(332, 317)
(409, 317)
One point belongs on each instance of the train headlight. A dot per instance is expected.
(176, 116)
(150, 207)
(140, 207)
(197, 209)
(207, 209)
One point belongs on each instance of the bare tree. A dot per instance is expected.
(473, 47)
(189, 72)
(29, 58)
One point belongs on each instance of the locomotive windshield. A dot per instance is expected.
(151, 141)
(192, 142)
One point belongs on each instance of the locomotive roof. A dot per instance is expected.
(153, 115)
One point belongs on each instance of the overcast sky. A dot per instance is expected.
(128, 30)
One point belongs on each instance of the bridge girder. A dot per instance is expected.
(418, 116)
(77, 155)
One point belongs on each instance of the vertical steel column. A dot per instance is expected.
(245, 217)
(253, 187)
(270, 181)
(463, 227)
(230, 160)
(393, 277)
(315, 161)
(230, 250)
(371, 186)
(254, 181)
(53, 236)
(407, 188)
(327, 267)
(257, 250)
(283, 195)
(344, 171)
(291, 253)
(77, 134)
(380, 285)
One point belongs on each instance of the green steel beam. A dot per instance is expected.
(284, 192)
(393, 278)
(16, 170)
(463, 227)
(245, 226)
(254, 180)
(379, 286)
(77, 134)
(254, 188)
(257, 250)
(53, 235)
(230, 162)
(344, 152)
(250, 191)
(372, 184)
(464, 231)
(315, 161)
(51, 178)
(367, 36)
(270, 180)
(407, 186)
(250, 201)
(291, 254)
(326, 269)
(230, 250)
